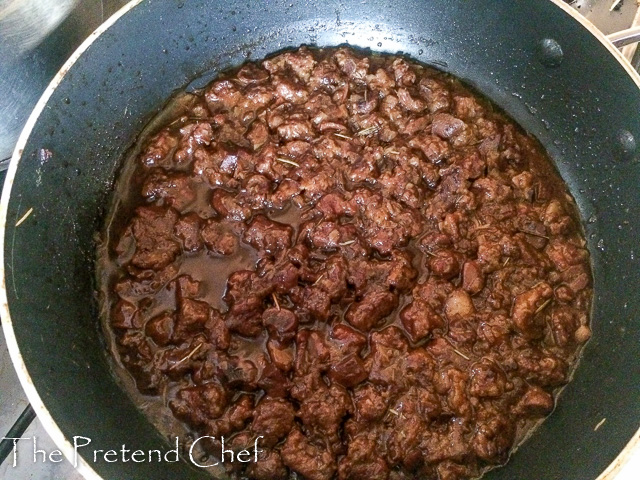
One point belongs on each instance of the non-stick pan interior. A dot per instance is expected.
(531, 58)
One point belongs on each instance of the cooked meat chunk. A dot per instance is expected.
(219, 239)
(174, 190)
(419, 320)
(268, 236)
(310, 461)
(273, 419)
(152, 229)
(527, 305)
(371, 309)
(281, 324)
(268, 467)
(197, 405)
(187, 229)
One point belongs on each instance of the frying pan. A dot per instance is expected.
(549, 69)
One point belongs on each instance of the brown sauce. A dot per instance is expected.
(355, 257)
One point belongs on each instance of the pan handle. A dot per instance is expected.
(625, 37)
(627, 40)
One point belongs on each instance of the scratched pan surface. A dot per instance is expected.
(547, 70)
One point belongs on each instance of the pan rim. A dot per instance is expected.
(47, 421)
(631, 449)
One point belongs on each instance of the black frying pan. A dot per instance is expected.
(556, 77)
